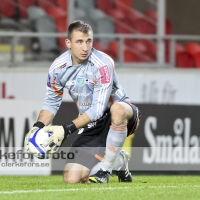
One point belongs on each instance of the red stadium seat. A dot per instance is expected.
(197, 60)
(168, 26)
(188, 56)
(192, 48)
(151, 48)
(129, 56)
(63, 4)
(132, 16)
(128, 3)
(109, 8)
(7, 8)
(179, 48)
(60, 18)
(111, 54)
(123, 28)
(116, 14)
(140, 23)
(152, 14)
(44, 4)
(24, 5)
(113, 48)
(144, 26)
(105, 6)
(137, 45)
(183, 58)
(55, 12)
(99, 46)
(124, 6)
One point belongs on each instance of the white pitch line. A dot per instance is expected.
(89, 189)
(62, 190)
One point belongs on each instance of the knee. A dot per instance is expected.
(69, 178)
(118, 114)
(117, 109)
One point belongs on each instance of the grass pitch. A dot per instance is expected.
(142, 187)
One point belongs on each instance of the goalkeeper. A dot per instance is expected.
(106, 116)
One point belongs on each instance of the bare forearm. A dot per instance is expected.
(81, 121)
(46, 117)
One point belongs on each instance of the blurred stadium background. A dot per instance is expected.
(155, 44)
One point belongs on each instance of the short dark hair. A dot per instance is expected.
(78, 25)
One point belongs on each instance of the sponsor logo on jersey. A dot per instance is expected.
(84, 107)
(62, 66)
(80, 81)
(80, 94)
(105, 74)
(49, 81)
(86, 103)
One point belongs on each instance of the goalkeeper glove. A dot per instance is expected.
(35, 127)
(60, 133)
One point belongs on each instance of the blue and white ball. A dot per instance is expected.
(36, 144)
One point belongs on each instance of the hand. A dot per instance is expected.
(59, 133)
(26, 140)
(56, 139)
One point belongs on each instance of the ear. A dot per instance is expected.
(68, 43)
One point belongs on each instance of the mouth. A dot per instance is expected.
(84, 55)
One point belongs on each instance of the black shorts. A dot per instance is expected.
(89, 146)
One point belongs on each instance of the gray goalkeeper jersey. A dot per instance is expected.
(93, 84)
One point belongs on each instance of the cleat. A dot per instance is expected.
(123, 174)
(102, 176)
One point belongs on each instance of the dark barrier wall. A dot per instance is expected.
(65, 114)
(168, 137)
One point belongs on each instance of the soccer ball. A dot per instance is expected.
(36, 144)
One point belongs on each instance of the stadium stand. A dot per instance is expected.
(114, 16)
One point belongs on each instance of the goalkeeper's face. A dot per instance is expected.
(80, 46)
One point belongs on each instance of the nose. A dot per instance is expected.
(85, 46)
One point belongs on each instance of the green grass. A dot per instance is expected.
(142, 187)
